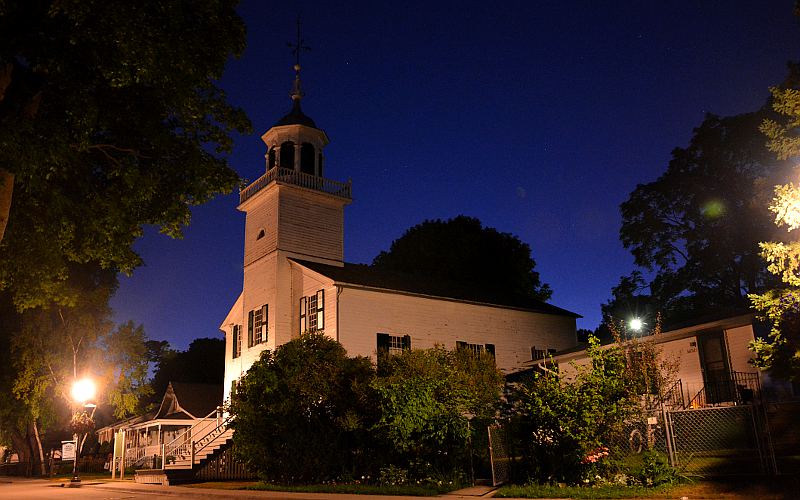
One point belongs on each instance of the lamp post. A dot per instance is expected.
(83, 391)
(636, 324)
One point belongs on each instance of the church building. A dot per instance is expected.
(296, 280)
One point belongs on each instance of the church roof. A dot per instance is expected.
(364, 275)
(296, 117)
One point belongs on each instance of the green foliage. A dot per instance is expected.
(559, 424)
(426, 397)
(48, 348)
(656, 470)
(460, 250)
(110, 119)
(696, 227)
(780, 351)
(302, 413)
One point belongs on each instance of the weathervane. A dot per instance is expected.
(297, 48)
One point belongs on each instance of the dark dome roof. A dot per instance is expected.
(296, 117)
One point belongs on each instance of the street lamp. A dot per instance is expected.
(636, 324)
(83, 391)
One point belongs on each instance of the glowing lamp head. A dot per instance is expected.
(83, 390)
(636, 324)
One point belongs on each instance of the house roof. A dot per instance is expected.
(196, 400)
(368, 276)
(688, 329)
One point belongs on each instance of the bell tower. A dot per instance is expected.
(292, 211)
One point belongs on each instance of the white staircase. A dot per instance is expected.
(186, 457)
(181, 455)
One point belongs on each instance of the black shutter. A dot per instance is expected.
(250, 329)
(234, 340)
(406, 342)
(265, 317)
(383, 344)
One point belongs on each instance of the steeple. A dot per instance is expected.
(295, 142)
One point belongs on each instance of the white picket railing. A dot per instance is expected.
(290, 176)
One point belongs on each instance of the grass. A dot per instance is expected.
(579, 492)
(728, 488)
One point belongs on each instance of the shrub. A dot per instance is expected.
(302, 413)
(562, 428)
(426, 398)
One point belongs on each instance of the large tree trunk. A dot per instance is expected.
(38, 441)
(6, 190)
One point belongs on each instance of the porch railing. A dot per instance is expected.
(295, 178)
(739, 388)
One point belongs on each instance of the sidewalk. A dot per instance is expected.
(191, 492)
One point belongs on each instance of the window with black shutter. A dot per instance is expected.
(236, 341)
(312, 312)
(250, 329)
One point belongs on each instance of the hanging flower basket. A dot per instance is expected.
(81, 423)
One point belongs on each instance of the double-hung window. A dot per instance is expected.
(538, 353)
(257, 325)
(393, 344)
(312, 312)
(476, 349)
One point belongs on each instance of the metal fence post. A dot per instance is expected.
(668, 435)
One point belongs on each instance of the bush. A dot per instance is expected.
(561, 428)
(426, 398)
(302, 414)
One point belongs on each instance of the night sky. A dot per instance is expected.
(538, 118)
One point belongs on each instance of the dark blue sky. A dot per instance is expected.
(539, 118)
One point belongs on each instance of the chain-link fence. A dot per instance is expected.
(783, 423)
(717, 440)
(498, 454)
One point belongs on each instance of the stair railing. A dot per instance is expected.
(204, 441)
(673, 397)
(699, 400)
(181, 446)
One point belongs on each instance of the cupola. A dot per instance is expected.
(295, 142)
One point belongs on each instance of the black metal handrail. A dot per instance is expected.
(739, 388)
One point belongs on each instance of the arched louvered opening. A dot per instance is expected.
(287, 155)
(307, 158)
(271, 159)
(319, 164)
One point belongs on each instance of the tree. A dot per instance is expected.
(461, 250)
(302, 413)
(426, 399)
(52, 347)
(110, 119)
(780, 351)
(695, 229)
(202, 363)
